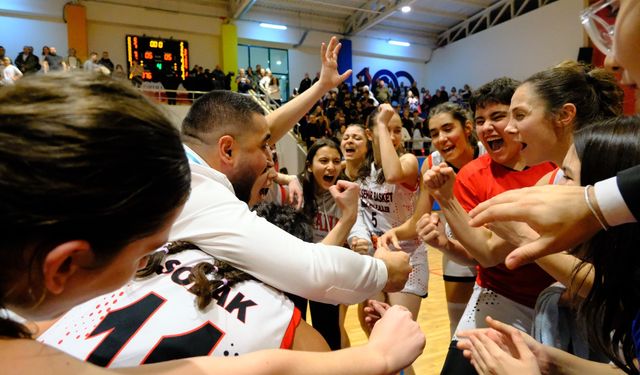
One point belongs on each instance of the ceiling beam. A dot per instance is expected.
(412, 32)
(372, 13)
(420, 24)
(435, 12)
(240, 7)
(478, 3)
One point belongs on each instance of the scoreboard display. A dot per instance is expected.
(158, 57)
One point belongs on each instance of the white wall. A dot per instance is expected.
(366, 52)
(516, 48)
(109, 23)
(34, 23)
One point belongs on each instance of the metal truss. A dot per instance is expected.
(499, 12)
(238, 8)
(372, 13)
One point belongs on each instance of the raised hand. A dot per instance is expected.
(329, 75)
(386, 113)
(439, 180)
(346, 195)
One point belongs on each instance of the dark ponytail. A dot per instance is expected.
(594, 92)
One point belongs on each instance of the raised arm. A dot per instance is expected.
(346, 195)
(397, 169)
(284, 118)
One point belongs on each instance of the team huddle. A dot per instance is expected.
(149, 246)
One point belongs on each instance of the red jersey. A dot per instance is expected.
(480, 180)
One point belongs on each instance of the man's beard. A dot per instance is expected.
(242, 186)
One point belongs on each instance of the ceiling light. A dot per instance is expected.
(399, 43)
(273, 26)
(406, 9)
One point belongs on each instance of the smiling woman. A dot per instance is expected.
(551, 104)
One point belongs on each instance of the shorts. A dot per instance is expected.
(453, 271)
(456, 272)
(485, 302)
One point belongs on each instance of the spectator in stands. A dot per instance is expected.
(10, 73)
(119, 73)
(305, 83)
(218, 73)
(274, 90)
(415, 117)
(366, 95)
(45, 52)
(72, 61)
(361, 83)
(106, 61)
(317, 78)
(170, 82)
(453, 96)
(265, 79)
(440, 97)
(243, 81)
(414, 89)
(91, 64)
(27, 62)
(427, 101)
(382, 92)
(52, 62)
(413, 101)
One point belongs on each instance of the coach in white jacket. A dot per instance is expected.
(227, 141)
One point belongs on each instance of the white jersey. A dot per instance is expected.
(435, 158)
(385, 206)
(156, 319)
(327, 216)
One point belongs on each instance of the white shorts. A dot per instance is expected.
(451, 270)
(456, 272)
(418, 282)
(484, 302)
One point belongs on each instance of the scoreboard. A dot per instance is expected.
(158, 57)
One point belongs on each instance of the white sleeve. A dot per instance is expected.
(611, 203)
(225, 228)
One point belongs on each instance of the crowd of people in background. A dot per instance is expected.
(27, 62)
(347, 105)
